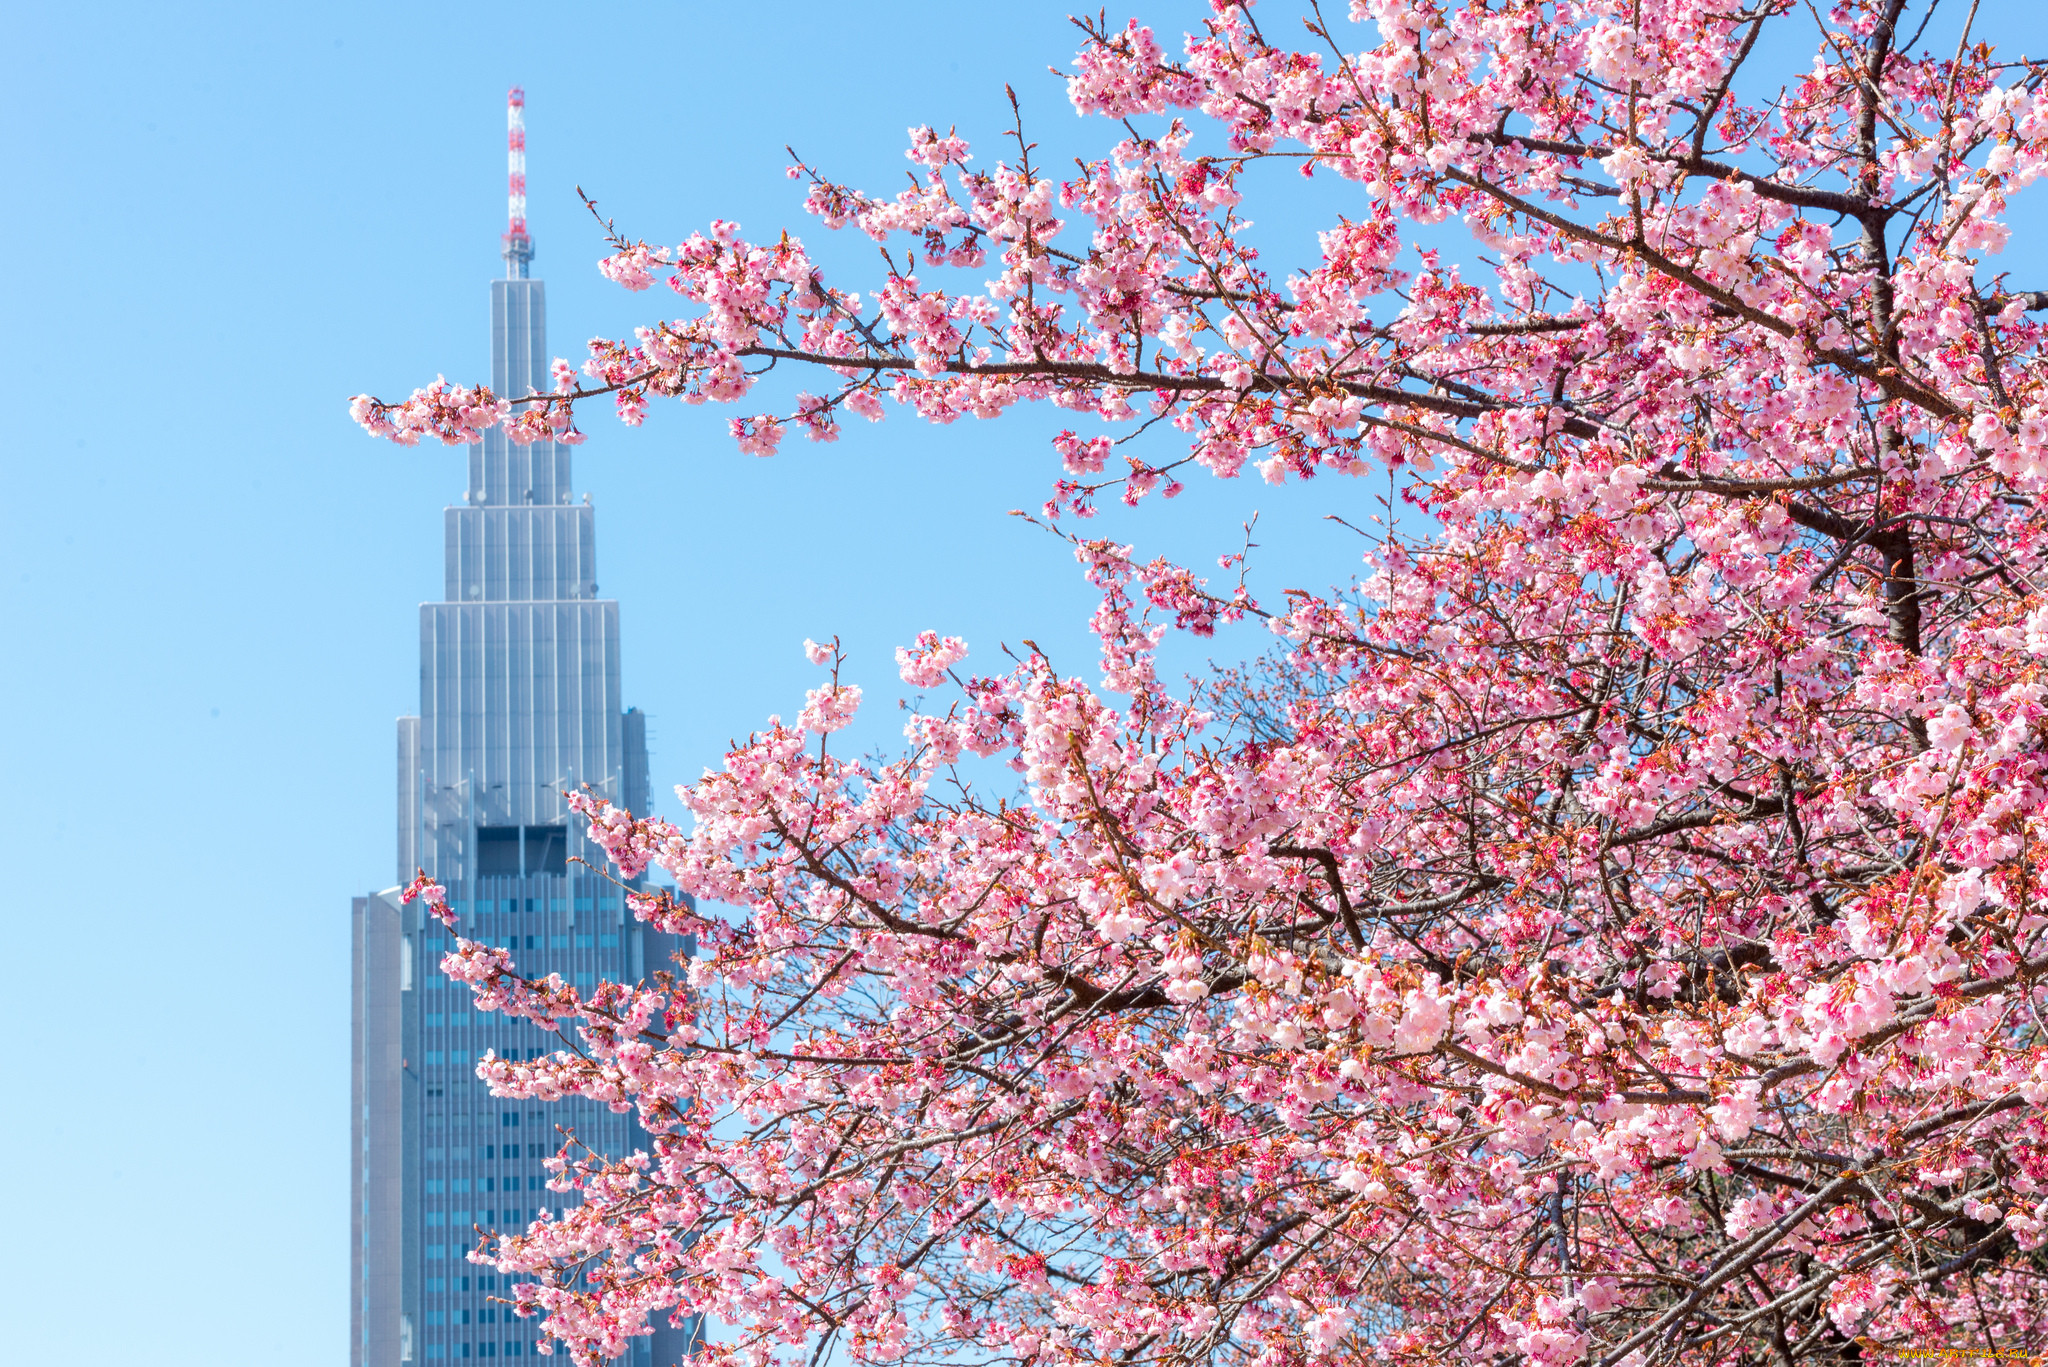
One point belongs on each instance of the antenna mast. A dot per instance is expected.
(518, 246)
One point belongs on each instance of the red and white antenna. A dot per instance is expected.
(518, 245)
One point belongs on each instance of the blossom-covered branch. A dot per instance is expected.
(1612, 931)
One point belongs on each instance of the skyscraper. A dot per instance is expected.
(519, 701)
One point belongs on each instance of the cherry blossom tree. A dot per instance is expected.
(1612, 931)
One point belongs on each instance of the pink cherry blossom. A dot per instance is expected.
(924, 665)
(432, 895)
(1608, 930)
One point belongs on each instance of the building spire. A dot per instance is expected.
(518, 246)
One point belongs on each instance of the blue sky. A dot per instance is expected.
(222, 221)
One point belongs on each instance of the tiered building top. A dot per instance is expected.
(519, 704)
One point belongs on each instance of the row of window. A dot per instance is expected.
(438, 944)
(483, 1283)
(512, 1349)
(459, 1218)
(487, 1315)
(460, 1185)
(509, 906)
(460, 1153)
(506, 1119)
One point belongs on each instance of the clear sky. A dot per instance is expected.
(221, 221)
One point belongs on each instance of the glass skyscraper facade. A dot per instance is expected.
(519, 702)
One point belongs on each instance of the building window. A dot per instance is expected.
(433, 1186)
(433, 1056)
(607, 942)
(437, 1317)
(437, 1350)
(437, 1284)
(558, 942)
(583, 942)
(437, 1250)
(433, 1218)
(509, 1120)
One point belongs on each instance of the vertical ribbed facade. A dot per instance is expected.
(519, 703)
